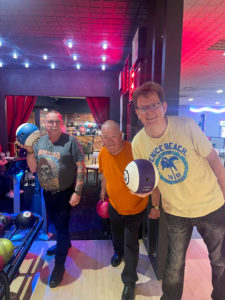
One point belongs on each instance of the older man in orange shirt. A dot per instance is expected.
(126, 210)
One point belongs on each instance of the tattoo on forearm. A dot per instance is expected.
(80, 177)
(80, 172)
(80, 167)
(79, 187)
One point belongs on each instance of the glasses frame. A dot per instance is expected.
(150, 107)
(51, 122)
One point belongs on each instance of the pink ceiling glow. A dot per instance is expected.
(36, 27)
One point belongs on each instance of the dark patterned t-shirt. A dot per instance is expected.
(56, 162)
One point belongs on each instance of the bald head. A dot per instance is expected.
(112, 125)
(112, 137)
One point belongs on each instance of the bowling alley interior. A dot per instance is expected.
(84, 59)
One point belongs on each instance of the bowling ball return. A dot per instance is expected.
(9, 272)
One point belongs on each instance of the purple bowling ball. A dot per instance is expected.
(141, 176)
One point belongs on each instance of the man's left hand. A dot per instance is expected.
(74, 199)
(154, 213)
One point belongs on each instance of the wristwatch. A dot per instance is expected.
(155, 207)
(77, 192)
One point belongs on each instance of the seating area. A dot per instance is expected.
(93, 166)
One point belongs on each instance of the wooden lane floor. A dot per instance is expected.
(89, 275)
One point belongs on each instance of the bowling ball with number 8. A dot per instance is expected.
(24, 220)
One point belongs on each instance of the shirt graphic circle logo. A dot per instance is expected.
(172, 167)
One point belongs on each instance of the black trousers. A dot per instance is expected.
(58, 211)
(125, 230)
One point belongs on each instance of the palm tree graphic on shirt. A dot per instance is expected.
(168, 163)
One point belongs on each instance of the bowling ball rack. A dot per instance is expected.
(11, 269)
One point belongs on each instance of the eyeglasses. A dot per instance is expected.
(108, 137)
(153, 106)
(51, 122)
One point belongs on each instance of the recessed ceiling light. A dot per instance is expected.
(104, 46)
(74, 57)
(103, 58)
(45, 56)
(191, 99)
(219, 91)
(26, 64)
(217, 102)
(52, 66)
(103, 67)
(78, 66)
(70, 44)
(224, 53)
(0, 43)
(1, 64)
(45, 109)
(15, 55)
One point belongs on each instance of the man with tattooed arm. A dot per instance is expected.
(59, 162)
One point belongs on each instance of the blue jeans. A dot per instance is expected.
(58, 211)
(212, 229)
(125, 230)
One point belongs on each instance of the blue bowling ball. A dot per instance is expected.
(28, 134)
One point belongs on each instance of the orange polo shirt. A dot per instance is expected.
(112, 167)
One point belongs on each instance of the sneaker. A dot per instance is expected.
(52, 250)
(56, 276)
(128, 292)
(116, 260)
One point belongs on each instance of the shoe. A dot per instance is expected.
(116, 260)
(128, 292)
(56, 276)
(52, 250)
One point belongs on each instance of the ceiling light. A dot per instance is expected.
(103, 67)
(78, 66)
(0, 43)
(219, 91)
(74, 57)
(217, 102)
(1, 64)
(206, 108)
(224, 53)
(191, 99)
(70, 44)
(26, 64)
(103, 58)
(45, 109)
(45, 56)
(104, 46)
(52, 66)
(15, 55)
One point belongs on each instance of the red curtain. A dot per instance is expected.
(18, 111)
(99, 107)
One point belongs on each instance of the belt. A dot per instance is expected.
(53, 192)
(58, 191)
